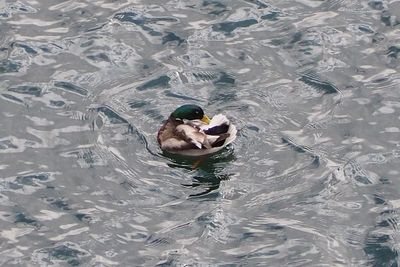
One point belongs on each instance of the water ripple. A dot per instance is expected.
(310, 180)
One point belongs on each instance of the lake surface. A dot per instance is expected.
(311, 180)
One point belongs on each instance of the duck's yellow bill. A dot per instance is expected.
(206, 119)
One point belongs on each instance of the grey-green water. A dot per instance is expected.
(312, 179)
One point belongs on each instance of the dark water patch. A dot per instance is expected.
(141, 21)
(98, 122)
(316, 161)
(260, 4)
(21, 218)
(162, 81)
(19, 7)
(366, 28)
(205, 184)
(171, 37)
(154, 113)
(384, 180)
(213, 3)
(379, 200)
(378, 38)
(51, 48)
(242, 56)
(214, 7)
(180, 96)
(376, 4)
(67, 86)
(315, 81)
(247, 236)
(7, 144)
(380, 80)
(60, 203)
(273, 227)
(393, 51)
(272, 16)
(362, 179)
(353, 171)
(388, 19)
(113, 116)
(379, 251)
(67, 252)
(296, 147)
(230, 26)
(205, 189)
(223, 97)
(151, 31)
(97, 28)
(296, 38)
(10, 186)
(208, 176)
(27, 90)
(136, 104)
(267, 253)
(28, 49)
(224, 79)
(162, 19)
(86, 218)
(9, 66)
(87, 156)
(384, 224)
(8, 9)
(57, 103)
(99, 57)
(32, 179)
(253, 128)
(158, 241)
(218, 12)
(277, 42)
(206, 76)
(168, 262)
(12, 98)
(87, 43)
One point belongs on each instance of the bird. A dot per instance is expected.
(189, 132)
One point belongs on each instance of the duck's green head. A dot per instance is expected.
(190, 112)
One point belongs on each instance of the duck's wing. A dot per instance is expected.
(199, 138)
(195, 139)
(219, 124)
(220, 131)
(216, 140)
(170, 140)
(175, 144)
(191, 135)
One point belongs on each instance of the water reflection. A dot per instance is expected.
(206, 173)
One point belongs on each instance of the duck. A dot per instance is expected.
(188, 131)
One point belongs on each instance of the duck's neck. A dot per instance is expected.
(174, 122)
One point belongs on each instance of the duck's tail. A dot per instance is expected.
(220, 128)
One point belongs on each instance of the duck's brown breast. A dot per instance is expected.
(167, 130)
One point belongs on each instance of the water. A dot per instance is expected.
(312, 179)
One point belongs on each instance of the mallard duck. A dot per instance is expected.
(189, 132)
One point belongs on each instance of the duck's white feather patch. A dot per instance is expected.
(197, 135)
(217, 120)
